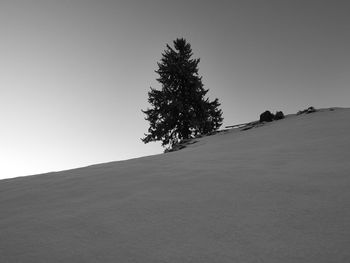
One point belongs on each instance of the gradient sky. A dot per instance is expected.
(74, 75)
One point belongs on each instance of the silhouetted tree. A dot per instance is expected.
(180, 110)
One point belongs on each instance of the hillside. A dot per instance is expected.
(275, 193)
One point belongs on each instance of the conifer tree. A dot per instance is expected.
(180, 109)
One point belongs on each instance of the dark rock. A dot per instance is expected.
(310, 110)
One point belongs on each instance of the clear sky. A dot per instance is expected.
(74, 74)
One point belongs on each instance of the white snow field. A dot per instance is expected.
(275, 193)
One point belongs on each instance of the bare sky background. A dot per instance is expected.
(74, 75)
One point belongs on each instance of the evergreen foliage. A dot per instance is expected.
(180, 109)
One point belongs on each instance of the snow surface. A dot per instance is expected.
(276, 193)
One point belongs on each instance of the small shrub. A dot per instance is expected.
(266, 116)
(279, 115)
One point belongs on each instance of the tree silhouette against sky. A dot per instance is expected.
(180, 109)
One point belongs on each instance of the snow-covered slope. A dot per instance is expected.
(276, 193)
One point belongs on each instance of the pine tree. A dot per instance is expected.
(180, 110)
